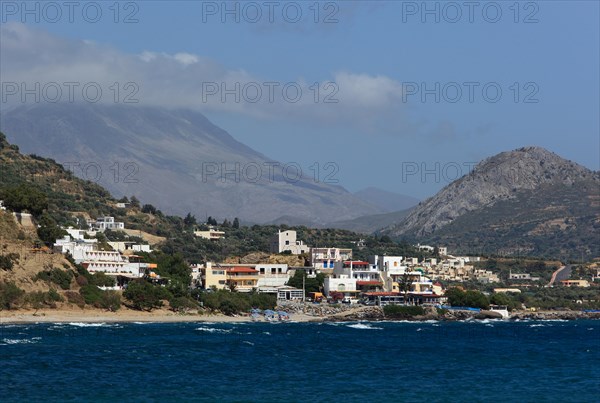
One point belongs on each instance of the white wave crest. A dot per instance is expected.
(33, 340)
(364, 326)
(213, 330)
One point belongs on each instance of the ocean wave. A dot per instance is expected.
(92, 324)
(33, 340)
(213, 330)
(364, 326)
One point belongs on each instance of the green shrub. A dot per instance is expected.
(182, 304)
(39, 299)
(75, 298)
(230, 303)
(57, 276)
(91, 294)
(81, 280)
(7, 261)
(505, 299)
(54, 296)
(110, 300)
(25, 197)
(10, 295)
(263, 301)
(471, 298)
(401, 311)
(48, 230)
(102, 280)
(145, 296)
(228, 307)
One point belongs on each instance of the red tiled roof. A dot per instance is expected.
(381, 294)
(368, 283)
(357, 262)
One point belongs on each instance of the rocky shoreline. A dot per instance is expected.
(333, 313)
(298, 313)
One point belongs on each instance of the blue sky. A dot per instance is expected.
(374, 53)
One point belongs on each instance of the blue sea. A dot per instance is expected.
(479, 361)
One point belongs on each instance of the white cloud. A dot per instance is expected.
(192, 81)
(186, 58)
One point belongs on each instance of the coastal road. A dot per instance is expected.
(562, 273)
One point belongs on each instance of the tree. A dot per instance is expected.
(236, 223)
(143, 295)
(110, 300)
(25, 197)
(314, 284)
(504, 299)
(48, 231)
(7, 261)
(10, 295)
(471, 298)
(404, 285)
(148, 209)
(189, 220)
(135, 202)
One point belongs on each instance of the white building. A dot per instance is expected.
(124, 246)
(286, 293)
(342, 283)
(272, 276)
(111, 263)
(392, 264)
(326, 258)
(103, 223)
(428, 248)
(2, 205)
(211, 234)
(76, 248)
(286, 241)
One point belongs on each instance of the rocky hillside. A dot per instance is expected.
(176, 160)
(526, 201)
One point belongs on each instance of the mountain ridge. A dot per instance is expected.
(175, 159)
(506, 191)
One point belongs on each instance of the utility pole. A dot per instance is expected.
(304, 292)
(304, 287)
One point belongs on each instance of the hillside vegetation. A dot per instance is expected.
(526, 202)
(32, 276)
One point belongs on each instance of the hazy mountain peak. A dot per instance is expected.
(386, 200)
(161, 155)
